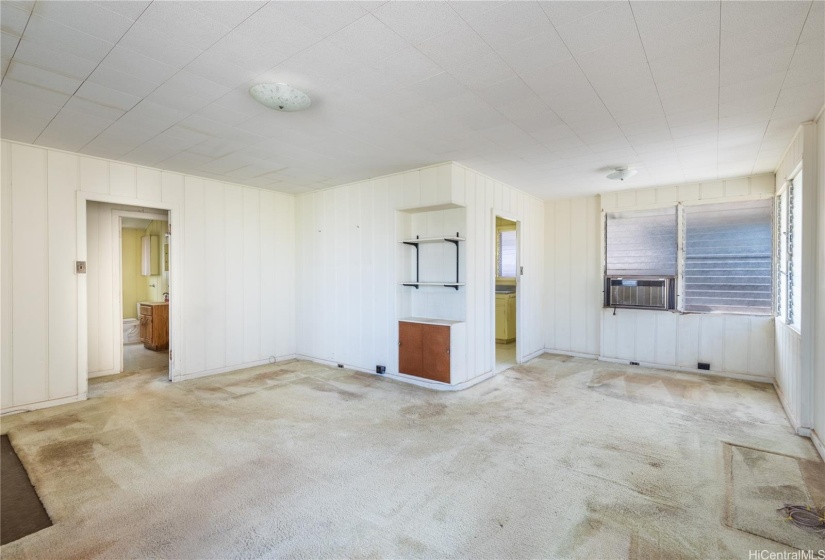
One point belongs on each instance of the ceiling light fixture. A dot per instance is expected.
(281, 97)
(622, 173)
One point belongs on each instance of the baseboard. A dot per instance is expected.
(795, 424)
(569, 353)
(237, 367)
(818, 443)
(535, 354)
(43, 404)
(103, 373)
(723, 374)
(404, 378)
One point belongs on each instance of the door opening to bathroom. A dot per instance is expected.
(128, 281)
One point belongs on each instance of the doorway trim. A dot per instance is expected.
(519, 298)
(175, 280)
(117, 282)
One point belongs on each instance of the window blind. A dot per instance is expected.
(507, 255)
(728, 257)
(641, 243)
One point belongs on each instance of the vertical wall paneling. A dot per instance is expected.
(30, 273)
(62, 187)
(6, 282)
(215, 274)
(232, 271)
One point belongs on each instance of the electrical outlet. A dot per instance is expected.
(340, 365)
(80, 267)
(381, 369)
(703, 365)
(634, 363)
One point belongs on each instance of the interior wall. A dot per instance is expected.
(134, 284)
(237, 269)
(349, 297)
(573, 279)
(576, 322)
(819, 364)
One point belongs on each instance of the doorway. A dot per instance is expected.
(506, 293)
(144, 293)
(127, 287)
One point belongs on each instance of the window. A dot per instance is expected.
(641, 259)
(506, 265)
(721, 254)
(641, 243)
(728, 257)
(788, 254)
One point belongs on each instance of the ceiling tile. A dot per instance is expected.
(417, 21)
(561, 13)
(137, 65)
(106, 112)
(229, 14)
(111, 78)
(368, 40)
(510, 23)
(36, 54)
(131, 9)
(600, 29)
(88, 17)
(34, 94)
(107, 96)
(458, 48)
(43, 78)
(536, 52)
(72, 41)
(159, 45)
(71, 130)
(176, 19)
(12, 19)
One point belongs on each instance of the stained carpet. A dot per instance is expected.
(558, 458)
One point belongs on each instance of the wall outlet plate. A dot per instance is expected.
(381, 369)
(703, 365)
(80, 267)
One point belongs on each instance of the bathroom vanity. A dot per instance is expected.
(154, 325)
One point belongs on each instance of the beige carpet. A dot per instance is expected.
(558, 458)
(760, 483)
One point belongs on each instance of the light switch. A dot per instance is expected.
(80, 266)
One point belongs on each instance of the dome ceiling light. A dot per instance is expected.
(281, 97)
(621, 173)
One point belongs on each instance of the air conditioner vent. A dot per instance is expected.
(639, 292)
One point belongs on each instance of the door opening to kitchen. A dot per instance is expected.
(127, 290)
(506, 260)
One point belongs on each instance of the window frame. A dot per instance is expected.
(505, 279)
(681, 237)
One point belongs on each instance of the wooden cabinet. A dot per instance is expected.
(425, 348)
(154, 325)
(505, 318)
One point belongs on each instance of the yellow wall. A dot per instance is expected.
(157, 285)
(134, 285)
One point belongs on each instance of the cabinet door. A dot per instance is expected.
(501, 318)
(409, 348)
(146, 328)
(436, 358)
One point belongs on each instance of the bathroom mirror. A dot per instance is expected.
(149, 255)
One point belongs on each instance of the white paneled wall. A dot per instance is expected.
(350, 264)
(818, 434)
(573, 285)
(732, 344)
(740, 188)
(788, 370)
(576, 322)
(233, 262)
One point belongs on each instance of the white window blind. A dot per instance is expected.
(641, 243)
(507, 253)
(728, 257)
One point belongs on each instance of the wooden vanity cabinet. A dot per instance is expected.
(154, 325)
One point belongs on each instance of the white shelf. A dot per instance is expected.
(432, 239)
(450, 284)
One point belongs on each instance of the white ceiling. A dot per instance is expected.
(545, 96)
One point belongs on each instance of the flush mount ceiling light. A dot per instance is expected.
(622, 173)
(281, 97)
